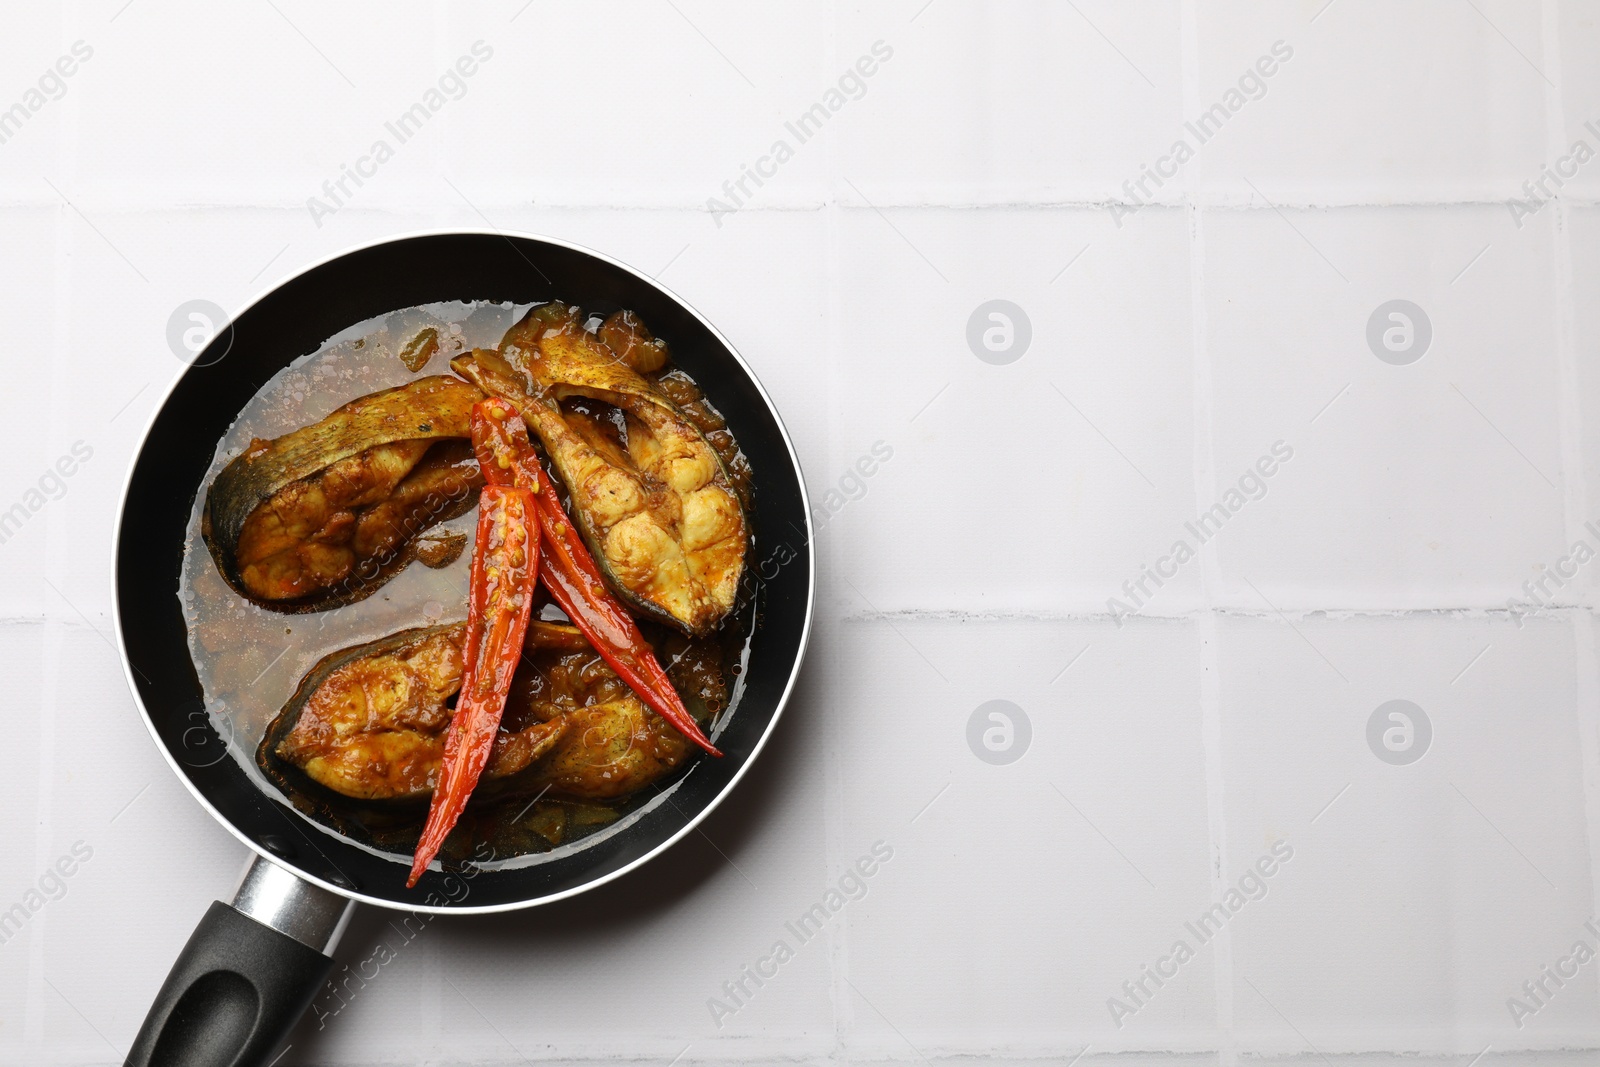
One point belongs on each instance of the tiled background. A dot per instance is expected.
(1169, 749)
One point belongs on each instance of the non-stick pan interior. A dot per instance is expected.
(295, 319)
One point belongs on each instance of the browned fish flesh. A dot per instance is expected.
(327, 514)
(648, 492)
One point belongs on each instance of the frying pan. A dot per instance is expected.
(253, 965)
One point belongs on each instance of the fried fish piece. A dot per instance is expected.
(648, 492)
(369, 723)
(327, 514)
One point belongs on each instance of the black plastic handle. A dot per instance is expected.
(237, 990)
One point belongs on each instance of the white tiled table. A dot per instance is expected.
(985, 159)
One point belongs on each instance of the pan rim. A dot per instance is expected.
(694, 821)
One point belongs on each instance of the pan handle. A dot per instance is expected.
(246, 976)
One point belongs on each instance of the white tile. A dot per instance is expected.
(664, 105)
(979, 103)
(1437, 483)
(1026, 891)
(1376, 103)
(1582, 228)
(1576, 31)
(37, 114)
(1421, 895)
(635, 97)
(21, 646)
(32, 298)
(147, 840)
(1011, 487)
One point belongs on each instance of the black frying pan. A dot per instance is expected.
(252, 966)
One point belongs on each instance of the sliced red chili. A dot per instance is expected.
(499, 602)
(507, 457)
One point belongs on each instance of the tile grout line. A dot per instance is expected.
(1204, 467)
(51, 638)
(840, 996)
(1586, 662)
(1194, 609)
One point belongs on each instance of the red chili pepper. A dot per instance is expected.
(499, 603)
(506, 456)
